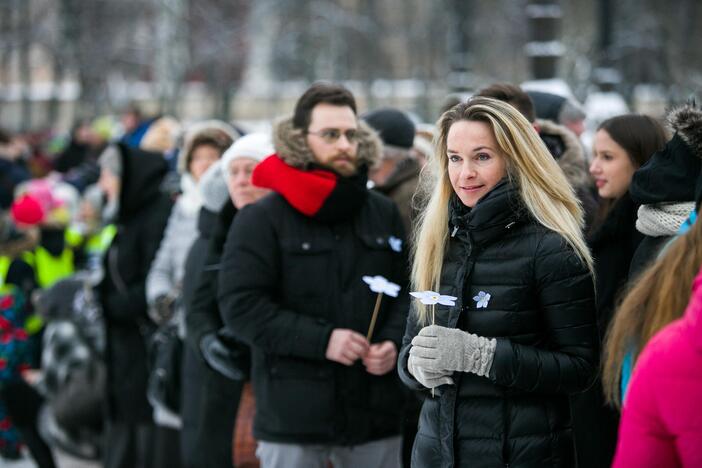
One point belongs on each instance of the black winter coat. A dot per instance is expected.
(613, 244)
(646, 253)
(142, 218)
(210, 400)
(286, 282)
(541, 311)
(202, 269)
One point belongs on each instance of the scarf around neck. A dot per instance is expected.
(318, 193)
(662, 219)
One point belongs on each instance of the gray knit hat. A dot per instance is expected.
(213, 188)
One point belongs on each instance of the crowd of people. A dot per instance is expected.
(196, 295)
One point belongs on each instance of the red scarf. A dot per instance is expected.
(318, 193)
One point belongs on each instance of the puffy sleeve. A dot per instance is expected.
(567, 360)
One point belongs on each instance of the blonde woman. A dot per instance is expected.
(502, 234)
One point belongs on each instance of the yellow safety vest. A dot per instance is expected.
(100, 242)
(47, 268)
(33, 323)
(5, 263)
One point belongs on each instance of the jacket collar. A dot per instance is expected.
(494, 215)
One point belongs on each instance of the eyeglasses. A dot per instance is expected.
(332, 135)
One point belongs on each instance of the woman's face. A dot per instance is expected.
(611, 166)
(241, 191)
(475, 162)
(202, 158)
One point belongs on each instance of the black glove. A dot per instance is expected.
(218, 356)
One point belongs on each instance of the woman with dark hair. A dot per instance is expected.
(620, 146)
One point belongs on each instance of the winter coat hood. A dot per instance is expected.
(571, 160)
(143, 172)
(215, 129)
(291, 146)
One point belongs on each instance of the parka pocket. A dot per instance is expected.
(306, 263)
(301, 398)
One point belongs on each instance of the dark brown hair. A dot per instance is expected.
(321, 92)
(640, 135)
(512, 95)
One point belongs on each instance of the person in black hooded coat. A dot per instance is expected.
(665, 186)
(514, 332)
(131, 179)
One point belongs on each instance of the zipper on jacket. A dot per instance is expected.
(455, 230)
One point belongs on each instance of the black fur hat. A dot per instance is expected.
(686, 121)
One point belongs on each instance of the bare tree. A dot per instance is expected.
(218, 48)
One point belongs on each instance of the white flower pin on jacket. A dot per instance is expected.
(481, 300)
(395, 243)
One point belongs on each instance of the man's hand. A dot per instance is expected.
(381, 358)
(346, 346)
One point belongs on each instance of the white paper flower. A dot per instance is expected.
(379, 284)
(431, 298)
(481, 300)
(395, 243)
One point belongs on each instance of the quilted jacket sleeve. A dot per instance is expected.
(567, 360)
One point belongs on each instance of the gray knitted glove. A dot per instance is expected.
(428, 378)
(441, 349)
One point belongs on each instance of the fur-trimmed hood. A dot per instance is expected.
(216, 129)
(291, 147)
(572, 160)
(686, 120)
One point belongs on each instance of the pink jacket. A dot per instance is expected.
(661, 422)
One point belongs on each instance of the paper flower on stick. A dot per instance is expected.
(378, 284)
(431, 298)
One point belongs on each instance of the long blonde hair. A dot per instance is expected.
(542, 185)
(654, 299)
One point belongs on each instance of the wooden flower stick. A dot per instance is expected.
(433, 322)
(374, 317)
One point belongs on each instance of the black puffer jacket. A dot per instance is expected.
(541, 311)
(142, 217)
(286, 282)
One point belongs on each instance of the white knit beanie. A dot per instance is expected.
(254, 145)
